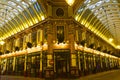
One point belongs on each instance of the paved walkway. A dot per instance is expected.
(108, 75)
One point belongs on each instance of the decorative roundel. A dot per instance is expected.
(60, 12)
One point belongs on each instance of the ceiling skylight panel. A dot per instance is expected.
(2, 22)
(99, 3)
(9, 8)
(116, 6)
(25, 4)
(15, 11)
(95, 13)
(0, 25)
(114, 1)
(100, 9)
(87, 1)
(92, 6)
(29, 2)
(1, 10)
(11, 14)
(107, 0)
(33, 1)
(20, 8)
(18, 0)
(80, 10)
(98, 16)
(6, 16)
(6, 20)
(11, 3)
(1, 14)
(5, 6)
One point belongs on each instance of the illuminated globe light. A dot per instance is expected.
(2, 42)
(118, 47)
(110, 39)
(76, 18)
(42, 17)
(70, 2)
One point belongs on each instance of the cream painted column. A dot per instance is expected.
(17, 42)
(39, 36)
(39, 41)
(84, 38)
(79, 61)
(41, 61)
(85, 60)
(101, 61)
(8, 46)
(76, 36)
(72, 45)
(25, 63)
(73, 54)
(50, 43)
(14, 58)
(84, 34)
(5, 65)
(30, 37)
(24, 41)
(94, 59)
(71, 37)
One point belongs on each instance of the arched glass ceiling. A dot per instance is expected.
(17, 15)
(102, 17)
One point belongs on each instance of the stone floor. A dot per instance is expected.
(108, 75)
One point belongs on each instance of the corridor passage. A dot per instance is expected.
(108, 75)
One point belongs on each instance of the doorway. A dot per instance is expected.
(62, 63)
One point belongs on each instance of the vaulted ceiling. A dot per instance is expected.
(17, 15)
(102, 17)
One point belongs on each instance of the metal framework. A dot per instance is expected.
(17, 15)
(103, 18)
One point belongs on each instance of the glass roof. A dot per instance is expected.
(107, 18)
(17, 15)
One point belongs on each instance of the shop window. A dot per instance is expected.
(33, 64)
(3, 65)
(9, 65)
(19, 65)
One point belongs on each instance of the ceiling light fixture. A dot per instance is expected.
(70, 2)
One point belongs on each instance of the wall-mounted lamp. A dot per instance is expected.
(2, 42)
(118, 46)
(110, 39)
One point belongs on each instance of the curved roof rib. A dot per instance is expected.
(17, 15)
(103, 17)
